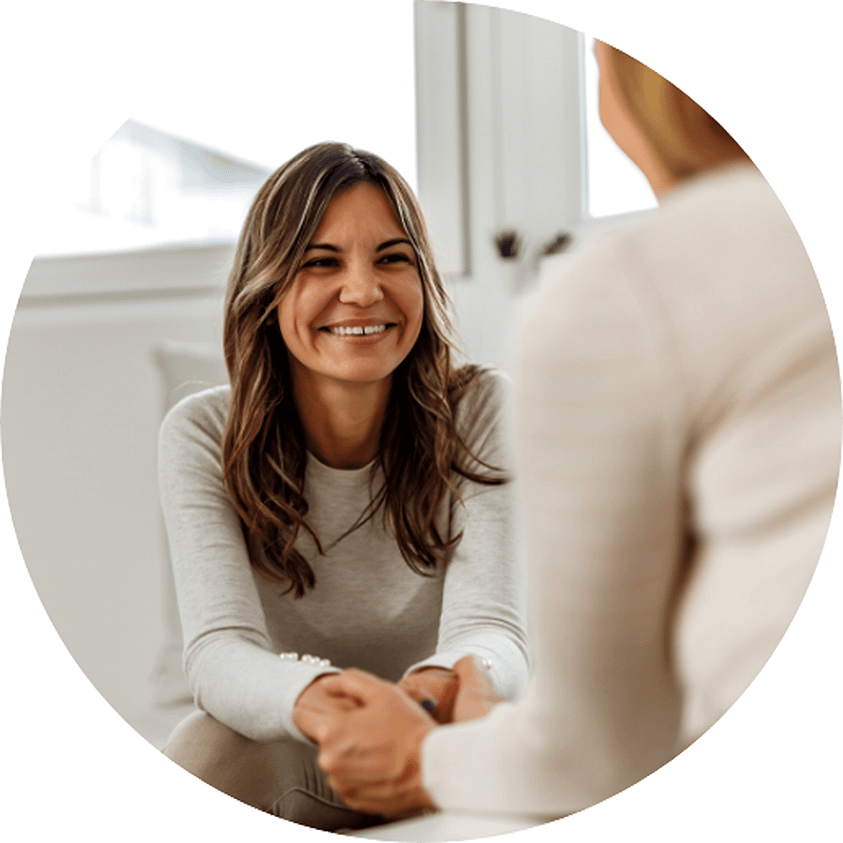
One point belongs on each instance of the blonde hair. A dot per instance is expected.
(683, 136)
(263, 450)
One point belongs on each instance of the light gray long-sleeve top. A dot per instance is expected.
(368, 609)
(677, 444)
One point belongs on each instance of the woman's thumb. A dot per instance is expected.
(473, 670)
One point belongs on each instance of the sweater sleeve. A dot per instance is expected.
(233, 673)
(484, 595)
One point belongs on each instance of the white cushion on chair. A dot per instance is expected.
(187, 367)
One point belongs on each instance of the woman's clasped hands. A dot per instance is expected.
(370, 731)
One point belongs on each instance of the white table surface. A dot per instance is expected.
(447, 825)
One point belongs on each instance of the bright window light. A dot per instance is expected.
(184, 170)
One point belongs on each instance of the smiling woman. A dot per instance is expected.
(346, 496)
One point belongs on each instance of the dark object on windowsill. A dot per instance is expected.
(508, 244)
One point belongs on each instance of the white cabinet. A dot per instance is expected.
(500, 140)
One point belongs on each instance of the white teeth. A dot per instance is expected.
(358, 330)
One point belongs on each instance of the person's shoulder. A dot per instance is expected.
(483, 395)
(724, 236)
(484, 383)
(727, 197)
(199, 414)
(493, 385)
(710, 218)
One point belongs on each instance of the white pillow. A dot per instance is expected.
(187, 367)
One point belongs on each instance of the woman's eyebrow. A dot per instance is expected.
(388, 244)
(327, 246)
(394, 242)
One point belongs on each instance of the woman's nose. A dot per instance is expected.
(361, 286)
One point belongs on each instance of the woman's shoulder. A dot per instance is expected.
(492, 385)
(691, 245)
(479, 383)
(481, 395)
(201, 414)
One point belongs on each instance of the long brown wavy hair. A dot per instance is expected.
(422, 455)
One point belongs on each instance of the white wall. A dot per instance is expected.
(81, 409)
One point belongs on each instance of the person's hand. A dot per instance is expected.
(316, 703)
(372, 753)
(434, 688)
(475, 695)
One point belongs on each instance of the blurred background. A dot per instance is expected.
(491, 116)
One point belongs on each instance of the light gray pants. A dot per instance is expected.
(280, 777)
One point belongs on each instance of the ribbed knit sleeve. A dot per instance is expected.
(484, 596)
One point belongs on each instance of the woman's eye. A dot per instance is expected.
(319, 262)
(332, 262)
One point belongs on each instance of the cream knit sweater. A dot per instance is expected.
(677, 433)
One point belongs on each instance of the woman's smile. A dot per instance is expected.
(357, 330)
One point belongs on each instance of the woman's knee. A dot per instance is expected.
(199, 739)
(221, 757)
(281, 777)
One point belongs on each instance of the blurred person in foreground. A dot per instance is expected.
(677, 435)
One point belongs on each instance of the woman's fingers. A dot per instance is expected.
(476, 695)
(355, 683)
(471, 670)
(390, 802)
(433, 688)
(388, 798)
(417, 691)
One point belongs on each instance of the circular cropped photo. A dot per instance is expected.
(434, 455)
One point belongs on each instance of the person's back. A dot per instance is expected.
(727, 375)
(756, 357)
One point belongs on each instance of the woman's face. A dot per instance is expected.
(355, 307)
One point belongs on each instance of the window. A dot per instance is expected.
(186, 168)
